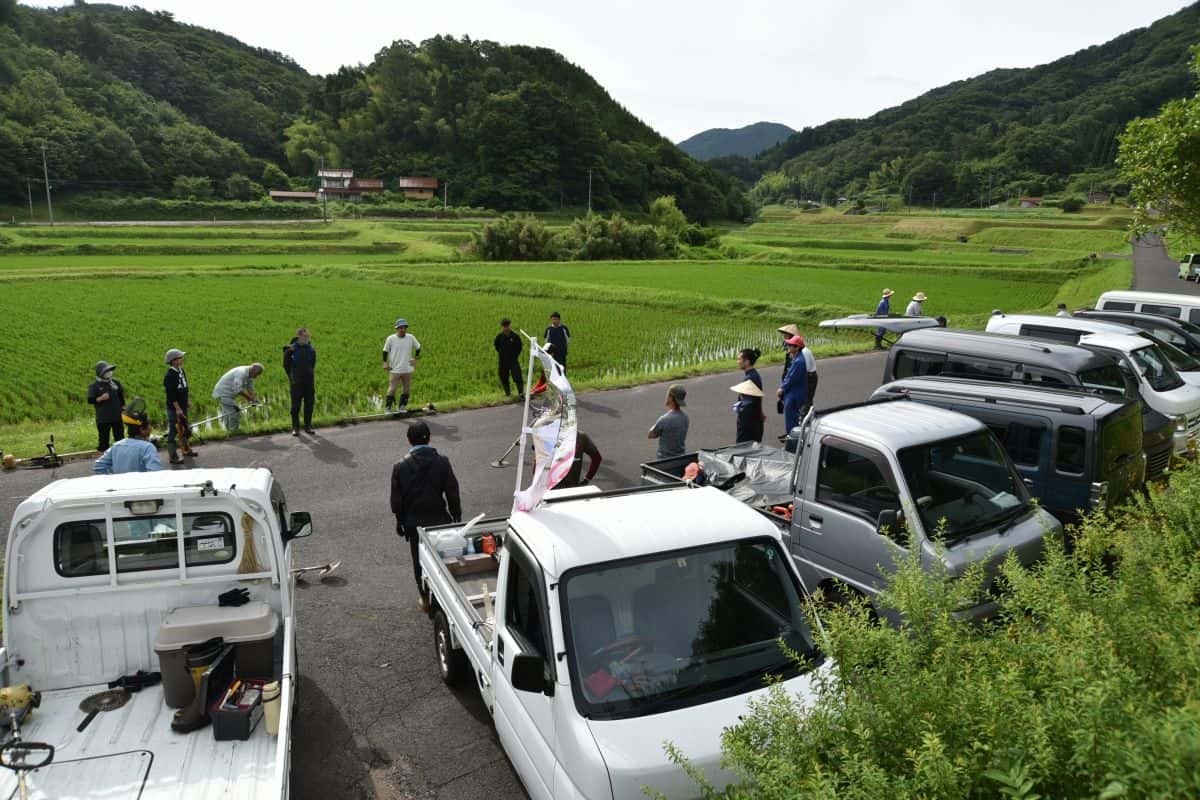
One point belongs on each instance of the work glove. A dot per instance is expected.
(234, 597)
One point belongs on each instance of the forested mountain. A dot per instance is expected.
(1030, 131)
(128, 100)
(509, 126)
(747, 141)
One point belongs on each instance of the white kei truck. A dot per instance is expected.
(109, 575)
(600, 626)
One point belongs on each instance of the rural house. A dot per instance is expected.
(340, 184)
(1031, 202)
(282, 196)
(417, 188)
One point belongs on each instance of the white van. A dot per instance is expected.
(1176, 306)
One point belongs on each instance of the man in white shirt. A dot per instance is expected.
(400, 355)
(915, 308)
(237, 382)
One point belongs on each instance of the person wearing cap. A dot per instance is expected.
(424, 491)
(915, 306)
(237, 382)
(107, 395)
(793, 391)
(508, 357)
(400, 354)
(132, 454)
(300, 363)
(175, 385)
(884, 309)
(810, 365)
(672, 427)
(748, 409)
(559, 336)
(787, 331)
(584, 446)
(1062, 311)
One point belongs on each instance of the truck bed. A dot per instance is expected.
(756, 474)
(131, 752)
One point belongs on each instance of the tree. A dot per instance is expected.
(188, 187)
(8, 12)
(666, 215)
(239, 187)
(273, 177)
(1160, 157)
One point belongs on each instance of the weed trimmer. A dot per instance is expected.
(17, 754)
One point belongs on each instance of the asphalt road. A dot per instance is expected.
(1154, 271)
(374, 720)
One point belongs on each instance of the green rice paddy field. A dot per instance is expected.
(229, 295)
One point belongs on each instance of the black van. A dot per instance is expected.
(1075, 451)
(1012, 359)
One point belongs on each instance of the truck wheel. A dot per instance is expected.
(452, 663)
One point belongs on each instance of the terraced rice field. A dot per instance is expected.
(235, 293)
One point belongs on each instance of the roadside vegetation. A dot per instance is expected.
(234, 293)
(1085, 686)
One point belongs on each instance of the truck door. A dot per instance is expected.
(524, 720)
(836, 526)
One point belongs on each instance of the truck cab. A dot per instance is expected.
(606, 625)
(97, 569)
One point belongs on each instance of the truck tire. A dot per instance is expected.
(452, 664)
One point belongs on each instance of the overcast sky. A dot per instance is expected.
(684, 67)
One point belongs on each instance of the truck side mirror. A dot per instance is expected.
(529, 675)
(889, 523)
(299, 526)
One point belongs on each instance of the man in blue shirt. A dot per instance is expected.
(794, 389)
(132, 454)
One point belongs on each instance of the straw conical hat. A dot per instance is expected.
(747, 387)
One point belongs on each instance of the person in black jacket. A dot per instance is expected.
(508, 353)
(558, 336)
(424, 492)
(108, 397)
(175, 384)
(300, 363)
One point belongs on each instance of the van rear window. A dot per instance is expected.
(914, 363)
(143, 543)
(1117, 305)
(1162, 311)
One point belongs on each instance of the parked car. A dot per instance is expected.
(872, 482)
(1176, 306)
(1189, 267)
(112, 574)
(1075, 452)
(1180, 333)
(606, 624)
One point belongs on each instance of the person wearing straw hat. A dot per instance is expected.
(787, 331)
(793, 392)
(175, 385)
(914, 307)
(108, 397)
(884, 309)
(749, 411)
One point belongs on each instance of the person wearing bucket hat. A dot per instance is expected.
(793, 391)
(401, 351)
(132, 454)
(175, 385)
(108, 396)
(748, 409)
(884, 309)
(672, 427)
(915, 307)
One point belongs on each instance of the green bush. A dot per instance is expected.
(598, 238)
(1071, 205)
(515, 237)
(189, 187)
(665, 214)
(1085, 686)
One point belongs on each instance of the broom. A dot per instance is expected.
(250, 562)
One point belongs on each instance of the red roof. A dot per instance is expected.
(417, 183)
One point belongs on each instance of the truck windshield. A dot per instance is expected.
(962, 485)
(1158, 371)
(1180, 360)
(678, 629)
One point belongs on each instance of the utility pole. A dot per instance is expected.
(29, 194)
(445, 194)
(324, 196)
(46, 175)
(589, 192)
(935, 201)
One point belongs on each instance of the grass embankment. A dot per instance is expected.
(235, 293)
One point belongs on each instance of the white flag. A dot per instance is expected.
(553, 432)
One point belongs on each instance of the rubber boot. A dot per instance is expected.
(391, 401)
(404, 402)
(195, 715)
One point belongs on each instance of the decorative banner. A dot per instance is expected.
(552, 433)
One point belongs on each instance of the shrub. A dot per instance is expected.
(1071, 205)
(192, 187)
(666, 215)
(1083, 687)
(598, 238)
(515, 237)
(698, 236)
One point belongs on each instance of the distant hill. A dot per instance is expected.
(128, 100)
(1030, 131)
(748, 141)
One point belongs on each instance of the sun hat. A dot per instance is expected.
(748, 388)
(103, 367)
(888, 293)
(920, 297)
(173, 354)
(790, 329)
(796, 340)
(402, 323)
(677, 393)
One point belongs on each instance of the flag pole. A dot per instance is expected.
(525, 431)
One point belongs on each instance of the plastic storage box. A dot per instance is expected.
(251, 627)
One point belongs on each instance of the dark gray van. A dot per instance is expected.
(1075, 451)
